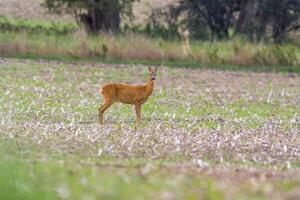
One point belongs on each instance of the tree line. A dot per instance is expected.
(211, 19)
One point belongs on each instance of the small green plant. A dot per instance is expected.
(263, 56)
(104, 50)
(276, 55)
(213, 55)
(284, 55)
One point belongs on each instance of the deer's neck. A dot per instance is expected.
(149, 87)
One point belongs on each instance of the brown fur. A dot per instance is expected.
(127, 94)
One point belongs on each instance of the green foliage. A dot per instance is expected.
(160, 24)
(213, 55)
(277, 54)
(284, 55)
(36, 27)
(156, 30)
(104, 50)
(96, 15)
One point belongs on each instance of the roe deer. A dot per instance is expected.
(128, 94)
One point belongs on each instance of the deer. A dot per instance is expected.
(127, 94)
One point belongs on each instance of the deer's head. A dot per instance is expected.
(152, 72)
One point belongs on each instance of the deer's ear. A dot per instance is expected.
(156, 68)
(149, 68)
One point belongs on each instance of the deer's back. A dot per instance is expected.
(124, 93)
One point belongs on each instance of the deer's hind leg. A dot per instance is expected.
(109, 95)
(102, 109)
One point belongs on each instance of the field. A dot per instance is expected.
(205, 134)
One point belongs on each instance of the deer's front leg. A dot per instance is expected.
(138, 113)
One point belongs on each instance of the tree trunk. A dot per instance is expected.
(97, 20)
(280, 22)
(247, 18)
(218, 20)
(254, 19)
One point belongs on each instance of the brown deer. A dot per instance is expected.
(127, 94)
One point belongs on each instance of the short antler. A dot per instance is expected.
(152, 70)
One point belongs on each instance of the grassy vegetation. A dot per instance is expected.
(205, 134)
(134, 48)
(36, 26)
(94, 178)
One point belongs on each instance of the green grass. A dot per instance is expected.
(137, 49)
(36, 26)
(205, 134)
(79, 178)
(29, 174)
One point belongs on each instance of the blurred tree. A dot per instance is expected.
(248, 22)
(279, 16)
(216, 14)
(285, 17)
(256, 19)
(198, 16)
(96, 15)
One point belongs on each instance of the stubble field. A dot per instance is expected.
(205, 134)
